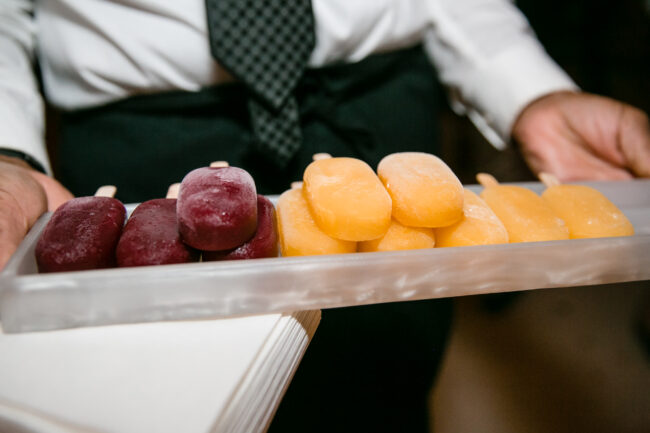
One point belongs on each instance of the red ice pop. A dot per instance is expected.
(150, 236)
(217, 208)
(263, 244)
(81, 234)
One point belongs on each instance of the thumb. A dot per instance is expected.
(56, 193)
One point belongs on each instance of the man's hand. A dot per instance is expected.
(24, 195)
(579, 136)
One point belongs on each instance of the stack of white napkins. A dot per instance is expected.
(195, 376)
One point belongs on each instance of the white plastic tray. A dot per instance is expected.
(33, 302)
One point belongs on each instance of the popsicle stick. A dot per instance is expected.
(217, 164)
(172, 192)
(106, 191)
(486, 180)
(548, 179)
(319, 156)
(296, 185)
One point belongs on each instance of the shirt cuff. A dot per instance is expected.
(23, 157)
(496, 91)
(19, 134)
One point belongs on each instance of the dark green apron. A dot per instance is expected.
(367, 369)
(369, 109)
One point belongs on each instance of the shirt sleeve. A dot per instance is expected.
(485, 51)
(491, 61)
(21, 106)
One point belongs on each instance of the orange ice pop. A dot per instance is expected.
(478, 226)
(298, 233)
(586, 211)
(346, 199)
(424, 190)
(525, 215)
(400, 237)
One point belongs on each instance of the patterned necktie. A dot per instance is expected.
(266, 45)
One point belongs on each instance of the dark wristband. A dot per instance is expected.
(24, 157)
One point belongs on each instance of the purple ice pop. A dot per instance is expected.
(81, 234)
(217, 208)
(263, 244)
(151, 237)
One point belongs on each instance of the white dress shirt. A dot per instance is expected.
(92, 52)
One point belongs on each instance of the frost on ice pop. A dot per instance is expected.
(400, 237)
(424, 190)
(346, 199)
(217, 208)
(263, 244)
(151, 237)
(585, 210)
(298, 233)
(525, 215)
(81, 234)
(478, 226)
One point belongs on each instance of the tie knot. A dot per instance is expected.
(264, 43)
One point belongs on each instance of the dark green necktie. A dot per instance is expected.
(266, 45)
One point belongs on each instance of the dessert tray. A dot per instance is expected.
(35, 302)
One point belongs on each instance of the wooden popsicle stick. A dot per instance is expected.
(217, 164)
(319, 156)
(296, 185)
(106, 191)
(548, 179)
(172, 192)
(486, 180)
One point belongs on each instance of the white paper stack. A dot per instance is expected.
(252, 407)
(192, 376)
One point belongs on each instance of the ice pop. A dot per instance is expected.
(263, 244)
(150, 236)
(425, 192)
(585, 210)
(297, 231)
(346, 199)
(400, 237)
(525, 215)
(217, 208)
(82, 234)
(478, 226)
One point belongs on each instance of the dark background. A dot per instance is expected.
(604, 45)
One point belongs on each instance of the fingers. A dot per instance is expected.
(550, 142)
(578, 136)
(570, 161)
(634, 140)
(593, 168)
